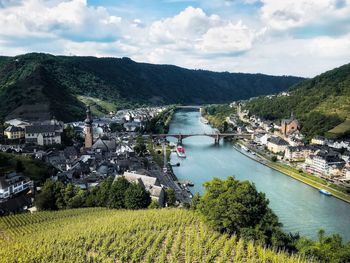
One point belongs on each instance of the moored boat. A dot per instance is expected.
(180, 151)
(325, 192)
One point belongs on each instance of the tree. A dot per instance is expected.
(78, 200)
(195, 201)
(140, 146)
(102, 193)
(19, 166)
(170, 198)
(325, 248)
(136, 197)
(235, 207)
(117, 193)
(50, 193)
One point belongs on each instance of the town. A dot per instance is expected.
(283, 142)
(86, 152)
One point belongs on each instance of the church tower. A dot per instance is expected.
(88, 129)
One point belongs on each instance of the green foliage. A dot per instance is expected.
(170, 198)
(102, 235)
(36, 170)
(274, 158)
(68, 136)
(320, 103)
(67, 83)
(216, 115)
(325, 249)
(118, 192)
(50, 197)
(116, 127)
(160, 123)
(136, 197)
(140, 147)
(235, 207)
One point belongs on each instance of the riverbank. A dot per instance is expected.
(289, 171)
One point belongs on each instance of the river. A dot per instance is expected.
(299, 207)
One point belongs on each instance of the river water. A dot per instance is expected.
(299, 207)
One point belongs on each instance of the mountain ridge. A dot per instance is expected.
(65, 82)
(321, 103)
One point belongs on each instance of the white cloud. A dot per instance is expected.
(72, 19)
(192, 38)
(282, 15)
(192, 29)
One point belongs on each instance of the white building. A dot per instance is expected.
(12, 184)
(43, 134)
(324, 163)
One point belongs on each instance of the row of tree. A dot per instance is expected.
(235, 207)
(111, 193)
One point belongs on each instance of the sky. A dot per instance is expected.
(278, 37)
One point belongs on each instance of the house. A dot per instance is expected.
(132, 126)
(47, 134)
(296, 153)
(276, 145)
(290, 125)
(261, 138)
(14, 133)
(150, 183)
(13, 183)
(319, 140)
(322, 162)
(105, 145)
(17, 123)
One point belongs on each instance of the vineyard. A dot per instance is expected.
(102, 235)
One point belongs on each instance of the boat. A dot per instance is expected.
(325, 192)
(245, 148)
(180, 151)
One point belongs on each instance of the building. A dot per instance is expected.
(88, 129)
(46, 134)
(324, 163)
(277, 145)
(319, 140)
(17, 123)
(151, 184)
(296, 153)
(290, 125)
(13, 183)
(14, 133)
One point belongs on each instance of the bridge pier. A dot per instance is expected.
(217, 139)
(179, 139)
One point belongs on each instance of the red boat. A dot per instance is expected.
(180, 152)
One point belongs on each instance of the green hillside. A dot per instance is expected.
(64, 84)
(101, 235)
(320, 103)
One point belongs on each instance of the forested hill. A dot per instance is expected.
(321, 103)
(65, 84)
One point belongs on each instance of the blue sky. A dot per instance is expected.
(289, 37)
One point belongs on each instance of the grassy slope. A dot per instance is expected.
(320, 103)
(66, 83)
(101, 235)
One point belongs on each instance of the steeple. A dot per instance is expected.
(88, 119)
(88, 129)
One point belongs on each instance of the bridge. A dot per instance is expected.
(189, 107)
(217, 136)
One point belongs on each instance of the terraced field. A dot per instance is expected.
(101, 235)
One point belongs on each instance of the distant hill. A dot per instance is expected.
(65, 84)
(321, 103)
(102, 235)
